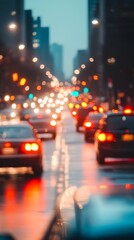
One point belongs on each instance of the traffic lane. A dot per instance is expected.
(80, 160)
(27, 203)
(83, 164)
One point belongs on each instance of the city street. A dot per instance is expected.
(27, 204)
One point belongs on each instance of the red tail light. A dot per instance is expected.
(128, 110)
(88, 124)
(106, 137)
(7, 145)
(30, 147)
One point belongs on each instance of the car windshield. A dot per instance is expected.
(95, 117)
(40, 117)
(120, 123)
(15, 132)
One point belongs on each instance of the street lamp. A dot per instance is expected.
(35, 59)
(12, 26)
(95, 22)
(21, 47)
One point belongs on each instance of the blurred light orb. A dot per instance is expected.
(7, 98)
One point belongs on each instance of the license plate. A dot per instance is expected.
(8, 151)
(127, 137)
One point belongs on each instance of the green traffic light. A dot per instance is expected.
(75, 93)
(85, 90)
(30, 96)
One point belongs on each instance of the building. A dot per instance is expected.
(57, 53)
(111, 45)
(29, 33)
(41, 43)
(12, 23)
(80, 58)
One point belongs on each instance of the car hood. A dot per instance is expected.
(106, 213)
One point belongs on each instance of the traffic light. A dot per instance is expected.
(30, 96)
(85, 90)
(75, 93)
(15, 76)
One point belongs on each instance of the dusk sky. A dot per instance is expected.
(67, 20)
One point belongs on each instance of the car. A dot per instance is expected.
(99, 212)
(90, 125)
(20, 146)
(80, 116)
(43, 124)
(26, 113)
(115, 136)
(8, 114)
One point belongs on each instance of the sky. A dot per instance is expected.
(67, 20)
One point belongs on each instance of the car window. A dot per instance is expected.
(16, 132)
(95, 117)
(120, 123)
(40, 117)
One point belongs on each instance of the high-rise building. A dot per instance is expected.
(111, 43)
(81, 58)
(92, 15)
(57, 53)
(12, 24)
(29, 32)
(41, 45)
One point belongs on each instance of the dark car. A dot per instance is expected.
(20, 147)
(91, 124)
(115, 136)
(25, 114)
(43, 124)
(80, 116)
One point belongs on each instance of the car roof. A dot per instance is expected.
(120, 113)
(95, 113)
(14, 123)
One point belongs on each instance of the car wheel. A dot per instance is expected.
(100, 159)
(37, 170)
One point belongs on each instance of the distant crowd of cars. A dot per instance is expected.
(111, 131)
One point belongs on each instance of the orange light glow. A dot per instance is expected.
(84, 104)
(30, 147)
(102, 137)
(15, 77)
(106, 137)
(95, 108)
(77, 106)
(95, 77)
(7, 144)
(83, 83)
(74, 113)
(22, 81)
(88, 124)
(127, 110)
(38, 87)
(101, 109)
(71, 105)
(53, 123)
(129, 186)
